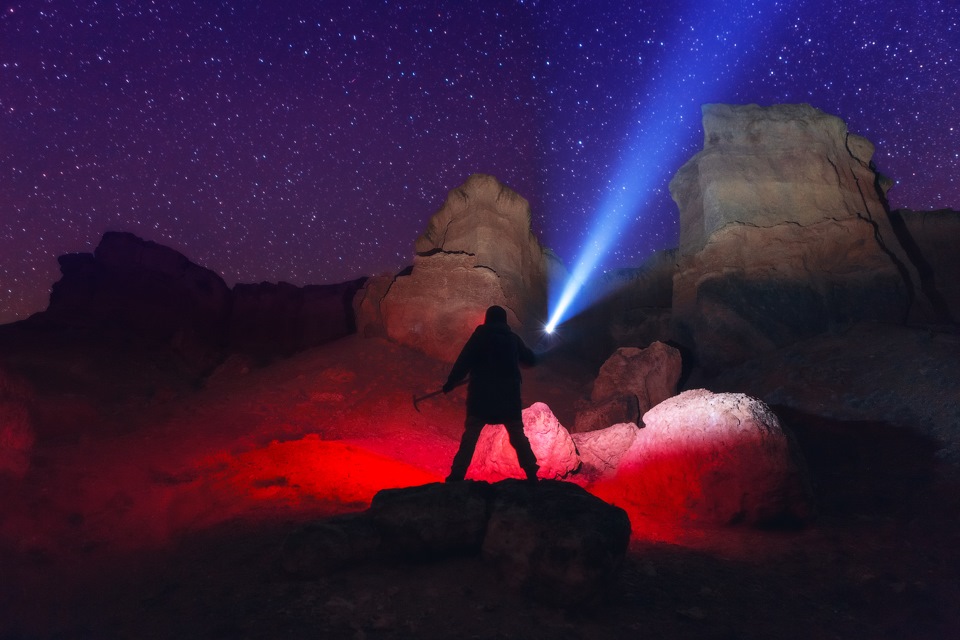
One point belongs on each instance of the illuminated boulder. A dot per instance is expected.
(554, 541)
(630, 382)
(495, 458)
(784, 234)
(714, 459)
(602, 450)
(477, 251)
(16, 429)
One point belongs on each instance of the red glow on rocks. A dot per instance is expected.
(310, 471)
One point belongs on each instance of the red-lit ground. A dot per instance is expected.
(164, 516)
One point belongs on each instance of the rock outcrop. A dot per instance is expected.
(553, 540)
(630, 383)
(137, 291)
(784, 234)
(270, 320)
(930, 238)
(714, 459)
(477, 250)
(134, 287)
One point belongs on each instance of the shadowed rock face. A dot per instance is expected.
(281, 319)
(930, 238)
(783, 234)
(134, 289)
(477, 251)
(134, 286)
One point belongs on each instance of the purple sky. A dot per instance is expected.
(311, 141)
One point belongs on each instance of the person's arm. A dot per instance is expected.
(526, 355)
(461, 367)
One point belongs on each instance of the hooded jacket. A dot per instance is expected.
(492, 357)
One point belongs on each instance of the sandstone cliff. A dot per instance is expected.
(478, 250)
(784, 234)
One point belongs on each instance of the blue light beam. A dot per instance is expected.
(656, 139)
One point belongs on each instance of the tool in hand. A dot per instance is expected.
(417, 400)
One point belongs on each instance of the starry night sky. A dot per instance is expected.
(310, 142)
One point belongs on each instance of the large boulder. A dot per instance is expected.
(784, 234)
(495, 458)
(432, 520)
(270, 320)
(555, 541)
(629, 384)
(715, 459)
(477, 251)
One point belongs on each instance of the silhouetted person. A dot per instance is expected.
(492, 357)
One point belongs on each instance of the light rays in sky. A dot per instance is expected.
(650, 154)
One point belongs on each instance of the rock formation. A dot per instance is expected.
(630, 383)
(930, 239)
(784, 234)
(270, 320)
(136, 290)
(715, 459)
(130, 286)
(553, 540)
(477, 250)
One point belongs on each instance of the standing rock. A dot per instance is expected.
(631, 382)
(784, 234)
(555, 541)
(477, 251)
(715, 459)
(495, 458)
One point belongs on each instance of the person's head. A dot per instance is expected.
(496, 315)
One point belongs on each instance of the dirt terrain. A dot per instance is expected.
(159, 510)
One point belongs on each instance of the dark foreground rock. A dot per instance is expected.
(555, 541)
(552, 540)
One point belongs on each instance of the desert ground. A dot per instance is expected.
(158, 508)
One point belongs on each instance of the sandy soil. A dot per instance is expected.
(161, 513)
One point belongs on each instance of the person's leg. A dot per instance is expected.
(520, 442)
(468, 442)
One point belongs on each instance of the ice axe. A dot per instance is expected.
(417, 400)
